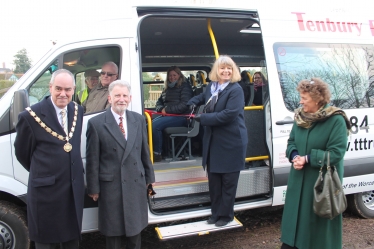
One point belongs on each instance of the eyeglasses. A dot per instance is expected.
(109, 74)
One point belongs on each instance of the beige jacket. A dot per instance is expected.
(97, 99)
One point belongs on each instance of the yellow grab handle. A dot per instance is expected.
(149, 120)
(213, 39)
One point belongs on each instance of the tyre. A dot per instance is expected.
(362, 204)
(13, 227)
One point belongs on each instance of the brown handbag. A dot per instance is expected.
(329, 198)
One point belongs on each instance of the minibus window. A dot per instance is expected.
(40, 88)
(347, 68)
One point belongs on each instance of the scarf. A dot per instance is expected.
(258, 85)
(172, 84)
(215, 89)
(306, 120)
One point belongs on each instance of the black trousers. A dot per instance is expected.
(222, 191)
(72, 244)
(132, 242)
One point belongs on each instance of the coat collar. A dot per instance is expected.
(112, 127)
(133, 127)
(221, 94)
(49, 116)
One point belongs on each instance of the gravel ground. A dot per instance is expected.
(261, 229)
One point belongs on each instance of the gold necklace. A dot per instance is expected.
(67, 147)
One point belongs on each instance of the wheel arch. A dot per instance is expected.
(12, 191)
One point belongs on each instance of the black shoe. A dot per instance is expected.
(157, 157)
(221, 223)
(211, 221)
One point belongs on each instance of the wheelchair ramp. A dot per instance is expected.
(195, 228)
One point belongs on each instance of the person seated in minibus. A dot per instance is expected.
(173, 100)
(259, 82)
(244, 84)
(98, 98)
(91, 79)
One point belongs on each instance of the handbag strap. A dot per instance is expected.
(323, 164)
(328, 160)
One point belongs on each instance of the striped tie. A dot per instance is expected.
(63, 121)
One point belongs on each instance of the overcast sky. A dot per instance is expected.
(34, 24)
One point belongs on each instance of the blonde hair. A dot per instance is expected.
(225, 60)
(318, 90)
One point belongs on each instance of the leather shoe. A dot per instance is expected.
(221, 223)
(157, 157)
(211, 221)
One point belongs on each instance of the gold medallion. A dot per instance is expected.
(68, 147)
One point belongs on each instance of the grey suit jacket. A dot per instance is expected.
(119, 171)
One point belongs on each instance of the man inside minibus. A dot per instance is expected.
(91, 79)
(98, 98)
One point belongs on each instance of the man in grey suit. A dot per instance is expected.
(119, 168)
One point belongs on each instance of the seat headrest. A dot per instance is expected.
(246, 76)
(193, 80)
(200, 77)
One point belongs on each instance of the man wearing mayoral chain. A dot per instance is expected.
(48, 146)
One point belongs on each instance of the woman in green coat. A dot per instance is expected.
(318, 128)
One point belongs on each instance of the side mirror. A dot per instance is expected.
(20, 102)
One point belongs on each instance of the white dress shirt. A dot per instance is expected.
(59, 116)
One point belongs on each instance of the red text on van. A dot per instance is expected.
(371, 24)
(327, 25)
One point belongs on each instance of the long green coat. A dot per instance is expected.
(300, 226)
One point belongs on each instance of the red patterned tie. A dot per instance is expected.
(121, 127)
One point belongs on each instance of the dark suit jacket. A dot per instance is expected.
(225, 134)
(119, 171)
(56, 186)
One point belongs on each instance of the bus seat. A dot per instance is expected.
(200, 77)
(247, 84)
(187, 132)
(193, 80)
(255, 123)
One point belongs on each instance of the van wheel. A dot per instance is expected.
(362, 204)
(13, 229)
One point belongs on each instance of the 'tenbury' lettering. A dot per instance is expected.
(371, 24)
(329, 26)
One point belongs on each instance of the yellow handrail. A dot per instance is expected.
(213, 39)
(256, 158)
(252, 108)
(150, 142)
